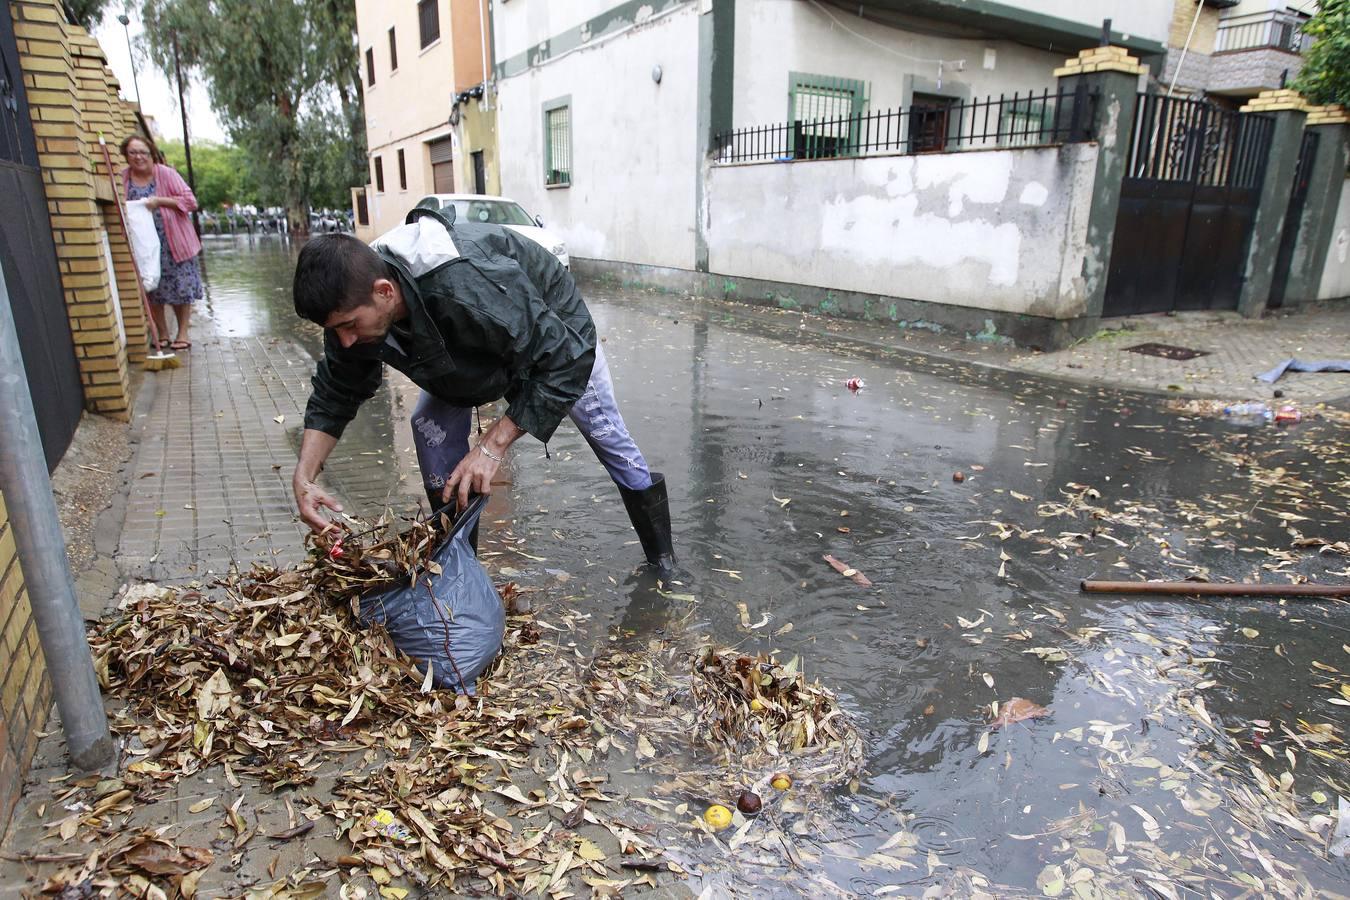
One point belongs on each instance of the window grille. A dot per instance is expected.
(823, 111)
(558, 145)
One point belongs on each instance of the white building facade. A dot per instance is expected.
(624, 93)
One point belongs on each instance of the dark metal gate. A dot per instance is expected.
(1293, 218)
(28, 258)
(1188, 201)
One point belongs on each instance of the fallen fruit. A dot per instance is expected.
(782, 782)
(717, 816)
(757, 704)
(958, 477)
(749, 803)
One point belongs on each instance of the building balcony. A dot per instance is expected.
(1251, 54)
(1276, 31)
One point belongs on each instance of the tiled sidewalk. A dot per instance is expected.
(210, 477)
(1238, 349)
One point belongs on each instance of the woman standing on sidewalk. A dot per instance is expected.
(172, 203)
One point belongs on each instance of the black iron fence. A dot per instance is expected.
(1194, 141)
(936, 125)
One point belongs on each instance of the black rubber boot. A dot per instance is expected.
(649, 511)
(434, 498)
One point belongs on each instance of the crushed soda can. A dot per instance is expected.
(384, 823)
(854, 384)
(1288, 415)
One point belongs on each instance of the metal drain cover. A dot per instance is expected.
(1167, 351)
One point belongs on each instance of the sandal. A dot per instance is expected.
(163, 344)
(180, 345)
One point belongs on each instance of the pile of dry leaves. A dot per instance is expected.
(267, 681)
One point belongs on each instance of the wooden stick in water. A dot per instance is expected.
(1215, 589)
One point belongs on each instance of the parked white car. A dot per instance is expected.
(499, 211)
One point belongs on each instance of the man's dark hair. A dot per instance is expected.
(334, 272)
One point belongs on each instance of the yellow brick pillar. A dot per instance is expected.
(72, 98)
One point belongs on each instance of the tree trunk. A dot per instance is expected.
(297, 215)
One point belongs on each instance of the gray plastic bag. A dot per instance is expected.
(454, 621)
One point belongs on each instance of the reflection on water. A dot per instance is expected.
(772, 463)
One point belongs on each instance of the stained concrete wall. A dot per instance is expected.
(1336, 274)
(1001, 230)
(633, 140)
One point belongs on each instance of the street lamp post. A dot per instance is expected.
(127, 31)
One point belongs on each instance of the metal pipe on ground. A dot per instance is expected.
(1216, 589)
(42, 556)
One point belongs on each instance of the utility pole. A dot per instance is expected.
(42, 557)
(187, 140)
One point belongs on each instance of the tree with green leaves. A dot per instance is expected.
(1326, 69)
(224, 176)
(88, 13)
(280, 76)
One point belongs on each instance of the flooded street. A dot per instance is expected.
(1181, 742)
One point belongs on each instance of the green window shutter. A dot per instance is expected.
(1024, 122)
(824, 113)
(558, 142)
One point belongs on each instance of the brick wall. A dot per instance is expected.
(73, 98)
(1183, 16)
(25, 694)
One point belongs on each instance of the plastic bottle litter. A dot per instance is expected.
(1288, 415)
(383, 822)
(1249, 410)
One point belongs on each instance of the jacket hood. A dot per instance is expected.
(420, 245)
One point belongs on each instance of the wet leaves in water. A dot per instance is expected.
(848, 571)
(1018, 709)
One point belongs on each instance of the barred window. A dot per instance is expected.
(824, 112)
(558, 143)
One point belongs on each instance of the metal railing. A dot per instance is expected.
(1017, 120)
(1193, 141)
(1262, 31)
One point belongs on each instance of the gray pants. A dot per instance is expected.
(441, 433)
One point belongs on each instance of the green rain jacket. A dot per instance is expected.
(492, 315)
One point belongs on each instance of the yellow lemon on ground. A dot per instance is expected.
(757, 704)
(781, 782)
(717, 817)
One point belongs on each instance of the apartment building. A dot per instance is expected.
(430, 122)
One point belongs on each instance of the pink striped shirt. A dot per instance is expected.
(183, 241)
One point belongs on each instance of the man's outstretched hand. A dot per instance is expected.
(311, 501)
(473, 475)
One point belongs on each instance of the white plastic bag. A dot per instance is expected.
(144, 242)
